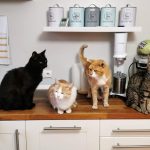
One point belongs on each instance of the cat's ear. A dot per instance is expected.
(43, 52)
(102, 64)
(34, 54)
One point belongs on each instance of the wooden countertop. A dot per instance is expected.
(43, 111)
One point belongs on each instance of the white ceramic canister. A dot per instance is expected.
(76, 16)
(92, 16)
(127, 16)
(55, 15)
(108, 16)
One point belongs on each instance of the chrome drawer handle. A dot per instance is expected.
(130, 146)
(17, 139)
(131, 130)
(62, 128)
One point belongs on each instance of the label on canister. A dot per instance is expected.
(76, 16)
(127, 16)
(55, 15)
(92, 16)
(108, 16)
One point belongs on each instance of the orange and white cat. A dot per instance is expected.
(62, 96)
(98, 75)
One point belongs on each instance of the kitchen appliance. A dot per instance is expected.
(119, 82)
(141, 62)
(120, 54)
(120, 51)
(141, 59)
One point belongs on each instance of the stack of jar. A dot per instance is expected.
(92, 16)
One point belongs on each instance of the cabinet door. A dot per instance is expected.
(135, 127)
(125, 143)
(62, 135)
(12, 135)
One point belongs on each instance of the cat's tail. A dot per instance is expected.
(83, 59)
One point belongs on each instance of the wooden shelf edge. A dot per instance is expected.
(92, 29)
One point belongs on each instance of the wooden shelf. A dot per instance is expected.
(92, 29)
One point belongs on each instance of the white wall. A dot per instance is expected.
(27, 19)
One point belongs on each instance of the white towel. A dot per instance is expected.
(4, 45)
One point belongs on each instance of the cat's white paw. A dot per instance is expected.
(106, 104)
(68, 111)
(60, 111)
(94, 107)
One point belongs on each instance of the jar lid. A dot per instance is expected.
(118, 74)
(76, 6)
(129, 6)
(56, 6)
(108, 6)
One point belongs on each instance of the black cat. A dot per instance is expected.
(18, 85)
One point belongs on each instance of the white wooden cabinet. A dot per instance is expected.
(75, 134)
(12, 135)
(125, 134)
(62, 135)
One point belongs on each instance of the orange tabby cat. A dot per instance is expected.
(99, 75)
(62, 96)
